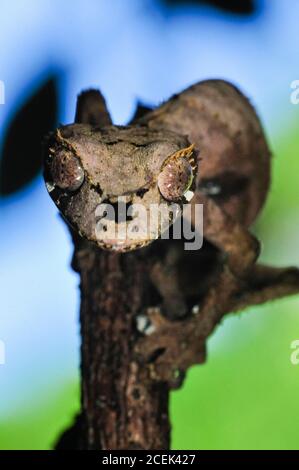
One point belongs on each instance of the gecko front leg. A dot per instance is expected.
(165, 277)
(231, 237)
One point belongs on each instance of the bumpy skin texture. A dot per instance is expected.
(118, 162)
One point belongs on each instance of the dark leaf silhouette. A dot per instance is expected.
(21, 155)
(244, 7)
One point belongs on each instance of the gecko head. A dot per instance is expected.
(120, 187)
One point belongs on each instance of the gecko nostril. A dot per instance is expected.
(66, 170)
(120, 211)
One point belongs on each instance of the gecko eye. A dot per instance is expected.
(66, 170)
(224, 186)
(175, 178)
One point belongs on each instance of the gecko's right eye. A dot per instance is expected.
(66, 171)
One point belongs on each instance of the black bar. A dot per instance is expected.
(136, 458)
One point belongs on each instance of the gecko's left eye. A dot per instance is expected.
(66, 170)
(175, 178)
(224, 186)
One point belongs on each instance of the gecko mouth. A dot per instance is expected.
(118, 232)
(125, 226)
(122, 246)
(133, 226)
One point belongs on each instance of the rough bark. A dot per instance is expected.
(122, 407)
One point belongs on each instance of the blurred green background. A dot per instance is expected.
(246, 395)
